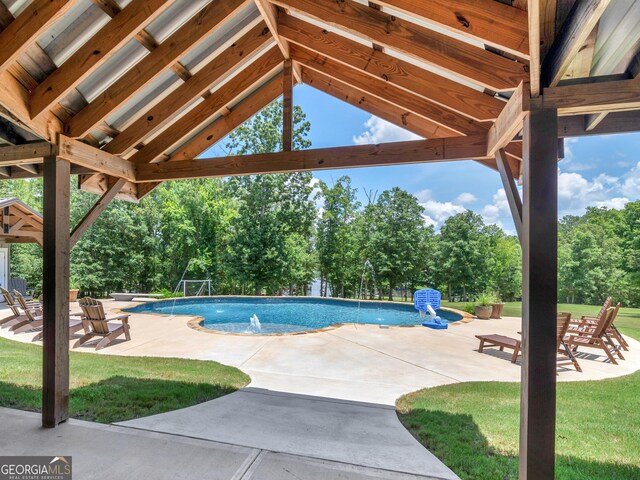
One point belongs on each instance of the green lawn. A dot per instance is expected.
(473, 427)
(111, 388)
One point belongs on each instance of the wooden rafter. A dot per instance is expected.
(28, 27)
(78, 153)
(386, 91)
(199, 84)
(443, 91)
(181, 42)
(224, 125)
(204, 111)
(116, 33)
(455, 56)
(509, 123)
(419, 151)
(494, 23)
(582, 19)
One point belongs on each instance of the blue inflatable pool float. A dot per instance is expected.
(435, 324)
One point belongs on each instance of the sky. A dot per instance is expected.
(596, 171)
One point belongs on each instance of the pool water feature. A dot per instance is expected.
(279, 315)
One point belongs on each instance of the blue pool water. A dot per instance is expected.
(287, 314)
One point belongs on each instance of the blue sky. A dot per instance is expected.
(603, 171)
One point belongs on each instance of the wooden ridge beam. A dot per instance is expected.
(78, 153)
(575, 31)
(509, 123)
(93, 214)
(494, 23)
(181, 42)
(28, 27)
(455, 56)
(116, 33)
(199, 84)
(399, 153)
(443, 91)
(386, 91)
(245, 80)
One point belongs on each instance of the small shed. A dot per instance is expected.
(20, 224)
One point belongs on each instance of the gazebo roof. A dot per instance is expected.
(160, 81)
(20, 222)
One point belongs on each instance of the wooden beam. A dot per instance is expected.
(251, 75)
(619, 122)
(596, 97)
(93, 214)
(224, 125)
(79, 153)
(582, 19)
(539, 296)
(122, 28)
(399, 153)
(99, 183)
(181, 42)
(509, 123)
(34, 20)
(533, 14)
(443, 91)
(386, 91)
(494, 23)
(287, 106)
(26, 152)
(220, 67)
(511, 189)
(455, 56)
(55, 289)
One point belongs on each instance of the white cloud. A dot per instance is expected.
(576, 193)
(435, 213)
(631, 184)
(465, 197)
(381, 131)
(493, 212)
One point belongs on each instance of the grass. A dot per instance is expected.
(473, 427)
(112, 388)
(628, 319)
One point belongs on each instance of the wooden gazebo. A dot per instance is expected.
(127, 94)
(20, 222)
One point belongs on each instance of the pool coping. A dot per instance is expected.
(196, 320)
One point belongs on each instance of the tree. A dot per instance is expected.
(335, 242)
(462, 253)
(396, 233)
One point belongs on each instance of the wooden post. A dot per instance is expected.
(287, 106)
(55, 290)
(539, 295)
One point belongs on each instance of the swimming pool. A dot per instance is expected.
(278, 315)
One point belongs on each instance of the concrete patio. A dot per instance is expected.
(320, 405)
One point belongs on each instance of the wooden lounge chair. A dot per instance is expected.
(565, 355)
(34, 317)
(16, 315)
(595, 336)
(98, 325)
(502, 342)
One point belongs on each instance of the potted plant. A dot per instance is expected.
(497, 308)
(484, 306)
(73, 289)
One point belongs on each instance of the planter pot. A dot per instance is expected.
(496, 311)
(73, 294)
(483, 312)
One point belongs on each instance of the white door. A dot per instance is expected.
(4, 267)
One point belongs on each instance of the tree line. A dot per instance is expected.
(276, 234)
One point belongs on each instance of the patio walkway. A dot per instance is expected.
(112, 452)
